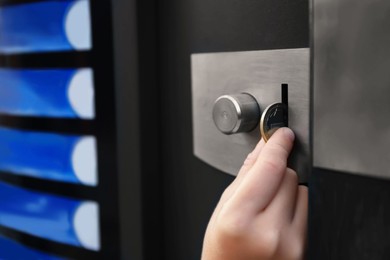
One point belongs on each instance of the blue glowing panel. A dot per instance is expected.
(55, 218)
(62, 93)
(45, 26)
(64, 158)
(10, 249)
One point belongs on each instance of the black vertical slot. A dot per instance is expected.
(285, 99)
(285, 94)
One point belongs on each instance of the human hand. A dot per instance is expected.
(263, 213)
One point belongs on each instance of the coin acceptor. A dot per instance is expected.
(240, 97)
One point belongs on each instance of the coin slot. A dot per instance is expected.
(285, 99)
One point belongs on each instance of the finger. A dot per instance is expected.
(262, 181)
(251, 158)
(283, 204)
(248, 163)
(301, 211)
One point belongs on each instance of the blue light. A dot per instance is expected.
(60, 93)
(50, 217)
(45, 27)
(64, 158)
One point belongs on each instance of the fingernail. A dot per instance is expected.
(288, 133)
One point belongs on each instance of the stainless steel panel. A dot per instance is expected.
(259, 73)
(352, 86)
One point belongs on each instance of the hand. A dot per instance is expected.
(263, 213)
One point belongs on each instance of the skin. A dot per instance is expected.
(262, 215)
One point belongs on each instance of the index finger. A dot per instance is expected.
(263, 180)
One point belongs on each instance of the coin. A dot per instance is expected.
(274, 117)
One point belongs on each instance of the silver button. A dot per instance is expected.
(236, 113)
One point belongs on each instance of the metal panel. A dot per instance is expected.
(259, 73)
(351, 86)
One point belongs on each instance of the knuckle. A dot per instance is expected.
(274, 245)
(250, 160)
(269, 243)
(296, 250)
(273, 165)
(279, 148)
(292, 175)
(226, 193)
(231, 226)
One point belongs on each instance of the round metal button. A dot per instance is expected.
(236, 113)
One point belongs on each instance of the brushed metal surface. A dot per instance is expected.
(259, 73)
(351, 126)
